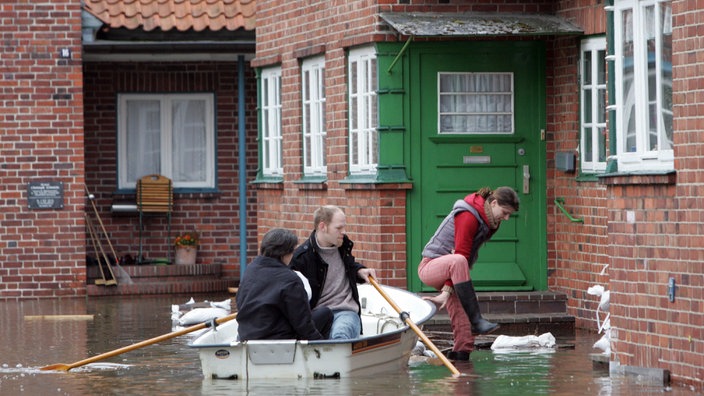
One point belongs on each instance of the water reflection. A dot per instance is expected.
(171, 367)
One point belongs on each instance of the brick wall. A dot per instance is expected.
(41, 123)
(645, 228)
(288, 31)
(215, 216)
(577, 252)
(640, 257)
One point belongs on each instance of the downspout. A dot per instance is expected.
(241, 165)
(612, 159)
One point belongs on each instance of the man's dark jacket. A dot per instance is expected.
(271, 303)
(307, 260)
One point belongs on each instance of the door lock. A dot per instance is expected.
(526, 179)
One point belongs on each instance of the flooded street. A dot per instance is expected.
(33, 336)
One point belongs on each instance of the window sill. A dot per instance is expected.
(121, 195)
(638, 178)
(319, 183)
(588, 177)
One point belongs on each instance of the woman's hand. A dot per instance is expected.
(440, 299)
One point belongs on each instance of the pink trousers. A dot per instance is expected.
(434, 273)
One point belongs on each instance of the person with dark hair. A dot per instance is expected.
(326, 259)
(272, 302)
(452, 251)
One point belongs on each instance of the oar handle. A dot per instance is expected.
(150, 341)
(421, 335)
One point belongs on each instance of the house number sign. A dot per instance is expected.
(45, 195)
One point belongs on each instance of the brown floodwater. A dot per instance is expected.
(33, 336)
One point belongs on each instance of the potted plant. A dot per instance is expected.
(186, 247)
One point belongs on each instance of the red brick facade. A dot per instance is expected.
(375, 213)
(663, 238)
(41, 123)
(637, 258)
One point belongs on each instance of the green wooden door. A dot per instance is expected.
(478, 120)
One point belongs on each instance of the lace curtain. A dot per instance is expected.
(182, 130)
(475, 103)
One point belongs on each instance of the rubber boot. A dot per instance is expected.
(468, 299)
(458, 355)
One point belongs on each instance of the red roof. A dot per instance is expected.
(181, 15)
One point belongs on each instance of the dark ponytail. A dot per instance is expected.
(505, 196)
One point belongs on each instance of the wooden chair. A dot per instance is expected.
(154, 197)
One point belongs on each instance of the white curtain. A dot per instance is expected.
(476, 103)
(143, 138)
(188, 140)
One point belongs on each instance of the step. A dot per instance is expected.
(161, 271)
(144, 288)
(522, 302)
(560, 325)
(518, 313)
(160, 279)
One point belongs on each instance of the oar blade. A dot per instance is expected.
(141, 344)
(418, 331)
(56, 367)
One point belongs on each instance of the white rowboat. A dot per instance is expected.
(385, 346)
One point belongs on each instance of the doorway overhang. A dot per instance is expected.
(477, 24)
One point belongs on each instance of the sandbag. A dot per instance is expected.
(546, 340)
(200, 315)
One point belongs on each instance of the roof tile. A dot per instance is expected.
(175, 14)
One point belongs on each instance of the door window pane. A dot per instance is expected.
(470, 103)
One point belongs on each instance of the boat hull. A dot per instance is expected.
(386, 346)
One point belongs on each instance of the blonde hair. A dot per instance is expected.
(324, 214)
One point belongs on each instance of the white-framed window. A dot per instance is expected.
(593, 105)
(643, 81)
(168, 134)
(313, 77)
(475, 103)
(364, 137)
(272, 149)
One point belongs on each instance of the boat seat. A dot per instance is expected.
(154, 197)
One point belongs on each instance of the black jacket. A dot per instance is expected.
(271, 303)
(307, 260)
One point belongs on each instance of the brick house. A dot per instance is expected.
(392, 110)
(187, 64)
(100, 93)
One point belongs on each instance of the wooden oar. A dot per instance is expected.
(67, 367)
(95, 243)
(91, 197)
(404, 316)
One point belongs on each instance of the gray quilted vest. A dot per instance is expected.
(443, 241)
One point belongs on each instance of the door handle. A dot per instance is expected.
(526, 179)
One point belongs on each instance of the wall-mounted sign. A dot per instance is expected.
(45, 195)
(476, 159)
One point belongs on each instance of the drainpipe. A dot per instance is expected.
(241, 166)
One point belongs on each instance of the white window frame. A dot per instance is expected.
(363, 120)
(593, 117)
(166, 154)
(641, 157)
(272, 148)
(314, 129)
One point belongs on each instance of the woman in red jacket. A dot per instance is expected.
(452, 251)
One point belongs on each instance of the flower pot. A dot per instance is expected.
(185, 255)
